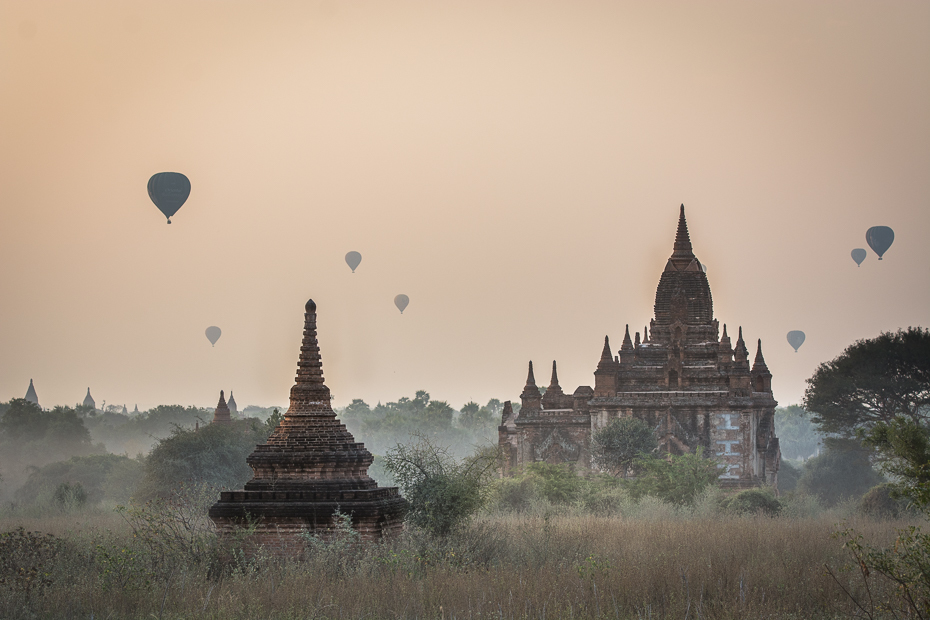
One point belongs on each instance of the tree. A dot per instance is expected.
(798, 436)
(213, 455)
(474, 417)
(903, 447)
(873, 381)
(677, 479)
(842, 471)
(443, 492)
(617, 446)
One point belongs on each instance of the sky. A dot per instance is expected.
(515, 168)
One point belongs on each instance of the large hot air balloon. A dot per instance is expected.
(879, 239)
(213, 334)
(169, 190)
(353, 259)
(401, 302)
(796, 339)
(858, 255)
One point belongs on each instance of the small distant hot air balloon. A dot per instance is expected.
(401, 302)
(169, 190)
(796, 339)
(353, 259)
(213, 334)
(879, 239)
(858, 255)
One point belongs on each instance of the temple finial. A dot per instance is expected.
(740, 353)
(682, 238)
(530, 379)
(627, 343)
(31, 395)
(309, 364)
(554, 381)
(605, 354)
(758, 365)
(636, 341)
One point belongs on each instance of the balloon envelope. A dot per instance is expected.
(213, 334)
(796, 339)
(353, 259)
(879, 239)
(401, 302)
(169, 190)
(858, 255)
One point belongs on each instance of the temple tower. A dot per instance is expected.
(31, 395)
(233, 407)
(89, 400)
(309, 468)
(221, 413)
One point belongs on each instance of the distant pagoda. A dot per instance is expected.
(221, 413)
(31, 395)
(309, 468)
(233, 407)
(89, 400)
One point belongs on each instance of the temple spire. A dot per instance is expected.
(31, 395)
(221, 413)
(554, 381)
(606, 355)
(740, 353)
(645, 333)
(758, 365)
(682, 239)
(530, 397)
(627, 343)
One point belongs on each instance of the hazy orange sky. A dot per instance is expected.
(514, 167)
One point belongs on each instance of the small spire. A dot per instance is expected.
(221, 413)
(645, 333)
(682, 238)
(530, 379)
(636, 341)
(89, 400)
(758, 366)
(554, 381)
(530, 391)
(31, 395)
(741, 354)
(627, 343)
(605, 354)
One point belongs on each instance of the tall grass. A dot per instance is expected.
(502, 566)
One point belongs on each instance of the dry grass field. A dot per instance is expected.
(505, 566)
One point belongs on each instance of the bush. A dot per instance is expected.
(677, 479)
(616, 447)
(879, 503)
(70, 496)
(443, 493)
(788, 476)
(753, 501)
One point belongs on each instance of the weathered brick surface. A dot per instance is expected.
(682, 378)
(308, 469)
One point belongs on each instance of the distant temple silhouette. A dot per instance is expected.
(233, 407)
(31, 395)
(686, 382)
(89, 400)
(221, 413)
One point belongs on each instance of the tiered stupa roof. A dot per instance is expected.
(31, 395)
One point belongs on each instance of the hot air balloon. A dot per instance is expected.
(213, 334)
(169, 190)
(858, 255)
(879, 239)
(796, 339)
(401, 302)
(353, 259)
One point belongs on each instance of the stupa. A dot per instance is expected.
(309, 468)
(31, 395)
(89, 400)
(231, 403)
(221, 413)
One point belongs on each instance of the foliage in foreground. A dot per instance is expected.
(616, 447)
(443, 492)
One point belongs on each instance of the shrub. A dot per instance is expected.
(677, 479)
(879, 503)
(616, 447)
(101, 476)
(753, 501)
(443, 493)
(788, 476)
(69, 496)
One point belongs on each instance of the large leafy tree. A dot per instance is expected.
(873, 381)
(617, 446)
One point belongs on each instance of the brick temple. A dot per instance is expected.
(309, 468)
(682, 378)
